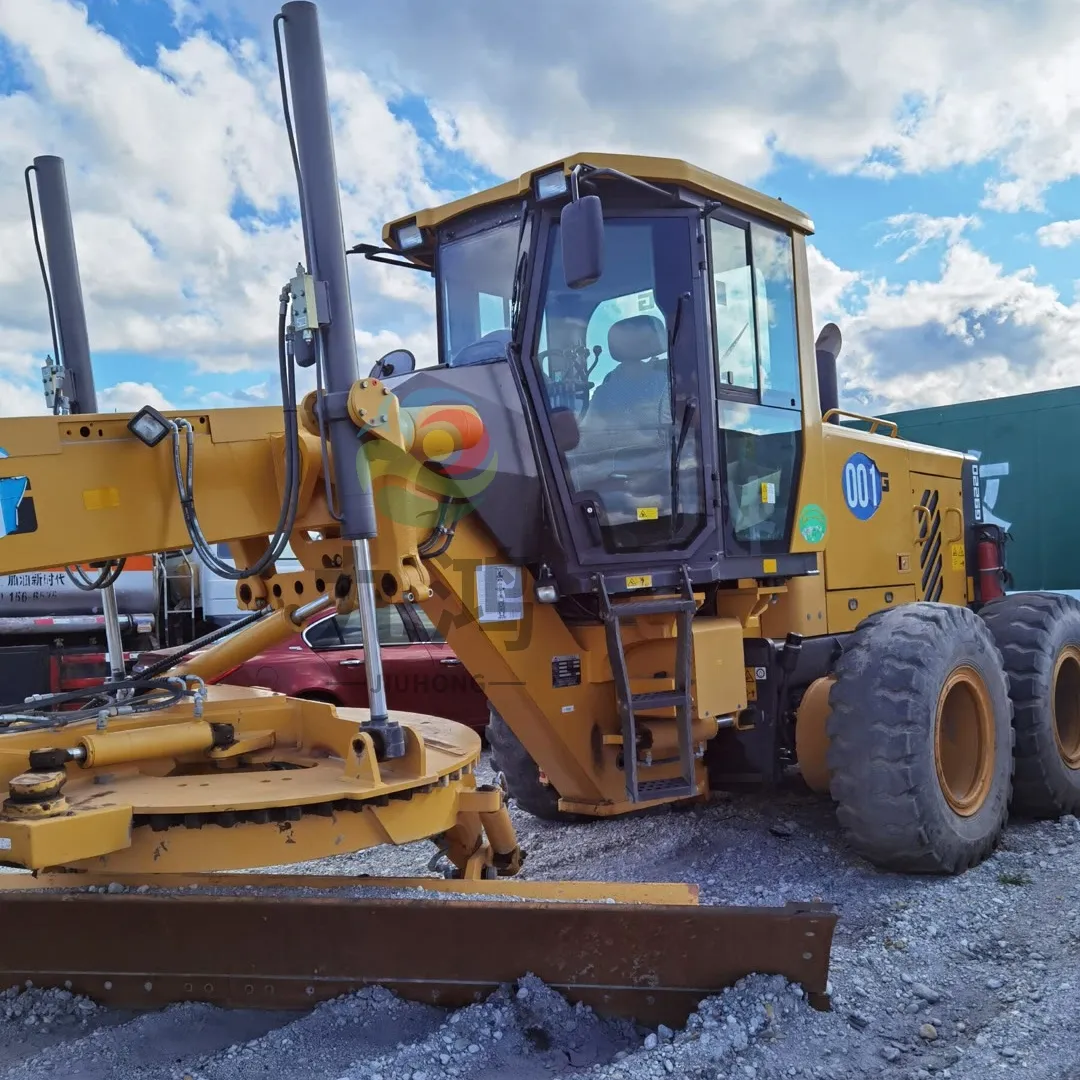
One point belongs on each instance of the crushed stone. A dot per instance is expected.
(987, 960)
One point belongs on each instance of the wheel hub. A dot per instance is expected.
(1066, 705)
(964, 741)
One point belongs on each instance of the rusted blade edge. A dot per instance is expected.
(662, 893)
(650, 963)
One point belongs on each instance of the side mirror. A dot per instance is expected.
(582, 227)
(564, 426)
(395, 362)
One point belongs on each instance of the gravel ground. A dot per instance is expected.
(955, 978)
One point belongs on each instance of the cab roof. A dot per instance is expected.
(655, 169)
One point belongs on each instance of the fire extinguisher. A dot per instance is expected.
(990, 562)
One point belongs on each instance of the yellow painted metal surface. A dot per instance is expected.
(149, 741)
(232, 651)
(237, 491)
(846, 608)
(92, 832)
(939, 557)
(157, 768)
(718, 687)
(655, 169)
(883, 550)
(800, 608)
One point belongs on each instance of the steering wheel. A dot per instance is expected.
(572, 380)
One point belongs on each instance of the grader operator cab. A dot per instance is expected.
(623, 496)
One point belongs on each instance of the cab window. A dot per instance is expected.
(753, 293)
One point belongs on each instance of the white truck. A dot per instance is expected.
(52, 633)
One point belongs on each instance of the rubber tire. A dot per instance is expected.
(522, 774)
(881, 731)
(1030, 630)
(318, 695)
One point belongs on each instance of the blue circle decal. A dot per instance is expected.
(861, 481)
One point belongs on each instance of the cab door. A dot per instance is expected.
(937, 510)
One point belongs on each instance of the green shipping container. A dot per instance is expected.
(1028, 449)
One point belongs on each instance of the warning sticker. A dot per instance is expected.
(500, 594)
(566, 671)
(5, 843)
(956, 551)
(751, 683)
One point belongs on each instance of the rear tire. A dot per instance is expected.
(522, 774)
(1038, 635)
(920, 739)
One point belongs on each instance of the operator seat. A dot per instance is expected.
(624, 453)
(637, 389)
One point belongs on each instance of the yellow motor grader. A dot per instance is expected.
(625, 496)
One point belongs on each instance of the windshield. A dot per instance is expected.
(623, 412)
(476, 280)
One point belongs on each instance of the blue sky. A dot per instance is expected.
(935, 145)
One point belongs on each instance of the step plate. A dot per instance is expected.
(653, 963)
(675, 788)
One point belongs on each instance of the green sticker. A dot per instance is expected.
(813, 524)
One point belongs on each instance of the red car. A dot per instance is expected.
(325, 662)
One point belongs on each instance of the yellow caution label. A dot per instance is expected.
(751, 684)
(647, 513)
(768, 566)
(101, 498)
(957, 553)
(642, 581)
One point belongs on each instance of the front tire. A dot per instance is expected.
(1038, 635)
(920, 739)
(522, 774)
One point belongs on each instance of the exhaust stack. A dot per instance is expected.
(64, 283)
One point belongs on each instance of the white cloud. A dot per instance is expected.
(830, 286)
(160, 159)
(924, 229)
(130, 397)
(877, 88)
(1059, 233)
(977, 331)
(163, 157)
(19, 399)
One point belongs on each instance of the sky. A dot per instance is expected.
(935, 144)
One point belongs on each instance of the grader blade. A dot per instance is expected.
(259, 942)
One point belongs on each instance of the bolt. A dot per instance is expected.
(363, 384)
(382, 419)
(363, 412)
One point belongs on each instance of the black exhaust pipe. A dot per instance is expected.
(827, 348)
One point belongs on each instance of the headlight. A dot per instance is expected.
(148, 426)
(551, 185)
(409, 236)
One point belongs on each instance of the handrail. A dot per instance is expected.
(873, 421)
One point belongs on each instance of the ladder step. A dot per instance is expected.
(659, 699)
(675, 788)
(663, 606)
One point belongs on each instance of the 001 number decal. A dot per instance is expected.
(862, 486)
